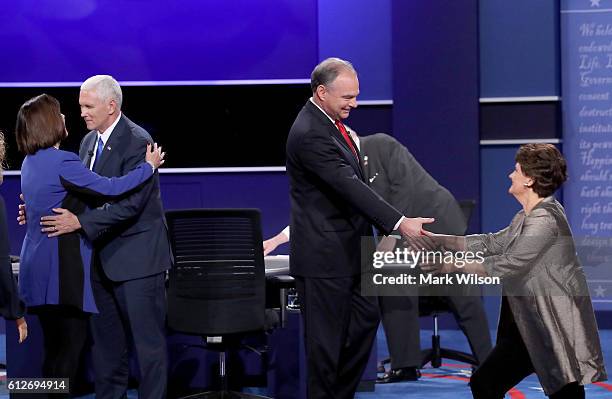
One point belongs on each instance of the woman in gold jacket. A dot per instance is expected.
(547, 324)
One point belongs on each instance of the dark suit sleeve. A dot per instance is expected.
(11, 307)
(96, 222)
(77, 178)
(319, 155)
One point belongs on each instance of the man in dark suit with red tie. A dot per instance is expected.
(332, 208)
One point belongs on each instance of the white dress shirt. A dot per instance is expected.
(105, 135)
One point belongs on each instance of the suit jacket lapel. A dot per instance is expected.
(338, 138)
(110, 144)
(348, 154)
(89, 145)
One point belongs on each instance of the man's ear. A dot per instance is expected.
(112, 107)
(321, 92)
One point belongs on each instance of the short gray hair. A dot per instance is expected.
(106, 87)
(328, 70)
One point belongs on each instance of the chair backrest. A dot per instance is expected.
(217, 283)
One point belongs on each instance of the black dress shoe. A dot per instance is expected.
(397, 375)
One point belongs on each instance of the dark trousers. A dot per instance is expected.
(340, 328)
(64, 331)
(507, 365)
(131, 312)
(400, 318)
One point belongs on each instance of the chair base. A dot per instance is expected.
(435, 356)
(437, 353)
(224, 395)
(429, 356)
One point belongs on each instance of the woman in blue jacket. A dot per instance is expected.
(54, 275)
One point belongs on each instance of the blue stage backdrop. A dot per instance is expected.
(360, 31)
(69, 40)
(587, 82)
(435, 90)
(519, 49)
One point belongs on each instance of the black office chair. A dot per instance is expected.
(217, 285)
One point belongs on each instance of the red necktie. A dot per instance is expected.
(346, 138)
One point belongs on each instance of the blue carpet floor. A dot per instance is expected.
(450, 380)
(447, 382)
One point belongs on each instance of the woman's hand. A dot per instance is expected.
(155, 156)
(22, 218)
(448, 242)
(22, 329)
(439, 268)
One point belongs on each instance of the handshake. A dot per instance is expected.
(422, 243)
(417, 238)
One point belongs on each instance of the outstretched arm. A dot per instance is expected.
(447, 241)
(271, 244)
(319, 154)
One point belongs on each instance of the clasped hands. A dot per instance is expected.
(416, 238)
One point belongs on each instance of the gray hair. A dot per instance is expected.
(106, 87)
(328, 70)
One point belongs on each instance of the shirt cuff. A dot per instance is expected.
(397, 225)
(286, 232)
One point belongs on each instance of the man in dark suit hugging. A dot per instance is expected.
(131, 249)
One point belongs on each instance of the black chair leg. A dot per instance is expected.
(436, 353)
(222, 374)
(433, 355)
(458, 356)
(426, 357)
(225, 393)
